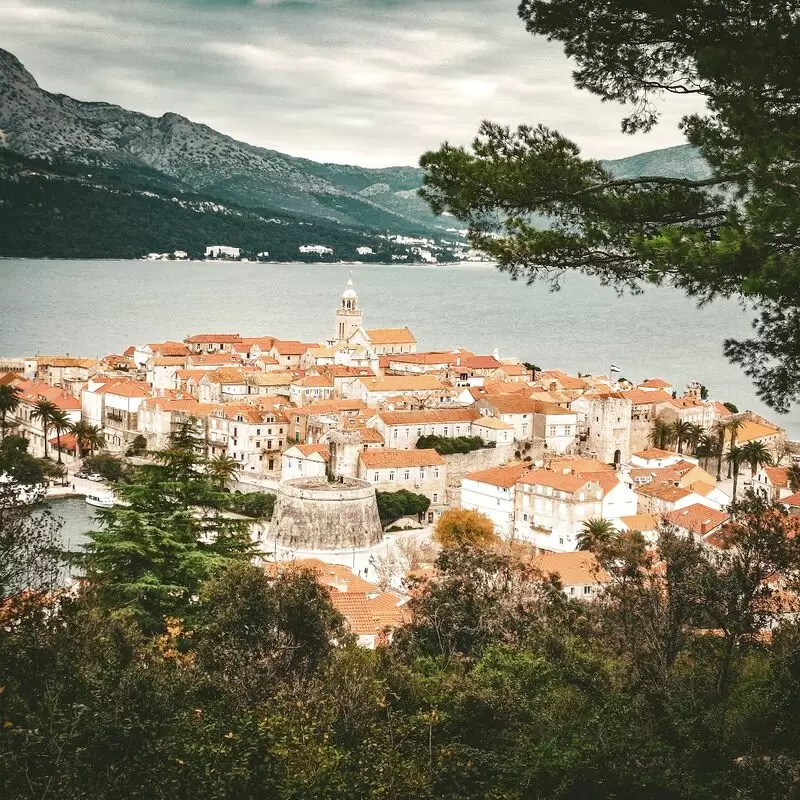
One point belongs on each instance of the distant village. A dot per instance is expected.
(326, 425)
(410, 249)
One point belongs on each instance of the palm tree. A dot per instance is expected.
(222, 468)
(661, 435)
(793, 476)
(595, 534)
(720, 430)
(87, 437)
(682, 431)
(694, 435)
(706, 448)
(756, 454)
(9, 402)
(733, 426)
(43, 410)
(60, 423)
(735, 458)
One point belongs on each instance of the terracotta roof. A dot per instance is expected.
(369, 435)
(311, 449)
(292, 347)
(665, 492)
(792, 500)
(655, 453)
(125, 389)
(721, 410)
(171, 349)
(64, 361)
(214, 359)
(381, 459)
(213, 338)
(493, 423)
(641, 522)
(752, 430)
(640, 397)
(314, 381)
(480, 362)
(567, 381)
(654, 383)
(229, 375)
(129, 351)
(329, 407)
(388, 611)
(513, 404)
(577, 568)
(391, 336)
(68, 441)
(403, 383)
(31, 391)
(343, 371)
(353, 606)
(438, 358)
(271, 378)
(334, 575)
(697, 518)
(555, 480)
(503, 477)
(428, 416)
(578, 464)
(167, 361)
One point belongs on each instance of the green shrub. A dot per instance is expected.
(110, 467)
(258, 505)
(394, 505)
(445, 445)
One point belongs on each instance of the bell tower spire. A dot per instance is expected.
(348, 315)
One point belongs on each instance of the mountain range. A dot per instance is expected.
(84, 147)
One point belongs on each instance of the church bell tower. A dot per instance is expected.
(348, 315)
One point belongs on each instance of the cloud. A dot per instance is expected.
(373, 82)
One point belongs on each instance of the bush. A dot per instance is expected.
(444, 445)
(110, 467)
(18, 463)
(394, 505)
(258, 505)
(459, 527)
(138, 446)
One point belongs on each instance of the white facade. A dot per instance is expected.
(496, 502)
(222, 250)
(304, 461)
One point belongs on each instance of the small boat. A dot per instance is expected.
(101, 499)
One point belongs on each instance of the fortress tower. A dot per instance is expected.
(348, 315)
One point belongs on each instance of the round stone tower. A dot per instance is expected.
(348, 315)
(315, 514)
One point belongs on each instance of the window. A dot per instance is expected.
(394, 433)
(258, 445)
(561, 540)
(436, 497)
(445, 430)
(572, 590)
(436, 472)
(422, 474)
(269, 444)
(376, 477)
(391, 475)
(552, 430)
(524, 517)
(258, 431)
(419, 432)
(407, 475)
(280, 443)
(587, 589)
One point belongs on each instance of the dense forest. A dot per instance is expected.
(64, 211)
(179, 669)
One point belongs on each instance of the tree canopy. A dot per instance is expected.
(731, 234)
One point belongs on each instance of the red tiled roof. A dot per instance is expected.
(504, 477)
(31, 391)
(353, 606)
(213, 338)
(577, 568)
(428, 416)
(697, 518)
(555, 480)
(381, 459)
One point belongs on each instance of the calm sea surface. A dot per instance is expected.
(93, 308)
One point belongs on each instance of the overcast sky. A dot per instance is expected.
(370, 82)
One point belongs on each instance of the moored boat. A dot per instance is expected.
(101, 499)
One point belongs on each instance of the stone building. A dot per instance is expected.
(604, 426)
(317, 514)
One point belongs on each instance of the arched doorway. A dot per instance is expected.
(617, 458)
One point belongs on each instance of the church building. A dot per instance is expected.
(355, 344)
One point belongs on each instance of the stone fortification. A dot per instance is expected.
(314, 514)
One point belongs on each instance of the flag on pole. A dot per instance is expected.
(615, 368)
